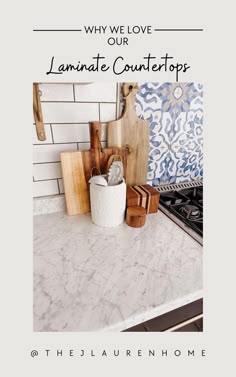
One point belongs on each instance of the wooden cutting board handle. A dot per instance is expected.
(129, 87)
(96, 149)
(129, 92)
(95, 129)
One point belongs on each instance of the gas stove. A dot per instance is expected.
(183, 203)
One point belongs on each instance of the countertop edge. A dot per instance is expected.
(162, 309)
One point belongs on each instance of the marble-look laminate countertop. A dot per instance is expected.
(89, 278)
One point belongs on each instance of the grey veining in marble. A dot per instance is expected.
(89, 278)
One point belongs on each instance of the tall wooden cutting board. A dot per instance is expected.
(134, 132)
(77, 169)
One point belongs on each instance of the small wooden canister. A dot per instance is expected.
(136, 216)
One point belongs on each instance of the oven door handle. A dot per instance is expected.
(182, 324)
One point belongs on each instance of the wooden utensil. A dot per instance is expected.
(38, 115)
(115, 173)
(77, 169)
(111, 159)
(98, 180)
(134, 132)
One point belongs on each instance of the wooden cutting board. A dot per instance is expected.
(134, 132)
(78, 166)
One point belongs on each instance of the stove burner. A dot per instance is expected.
(184, 205)
(190, 212)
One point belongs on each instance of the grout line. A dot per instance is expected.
(78, 102)
(41, 163)
(120, 100)
(58, 186)
(51, 133)
(55, 123)
(46, 162)
(74, 91)
(99, 112)
(46, 179)
(44, 196)
(117, 100)
(52, 123)
(66, 142)
(62, 143)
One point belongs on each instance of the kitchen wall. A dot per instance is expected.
(67, 109)
(175, 112)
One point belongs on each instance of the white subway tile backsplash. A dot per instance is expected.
(67, 110)
(56, 92)
(107, 112)
(96, 92)
(84, 146)
(50, 153)
(65, 133)
(47, 171)
(47, 132)
(43, 188)
(54, 112)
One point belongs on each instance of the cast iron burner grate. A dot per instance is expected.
(190, 212)
(183, 203)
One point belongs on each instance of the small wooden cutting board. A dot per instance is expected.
(78, 166)
(134, 132)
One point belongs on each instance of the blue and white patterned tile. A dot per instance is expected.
(175, 113)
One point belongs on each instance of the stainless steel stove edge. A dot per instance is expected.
(182, 225)
(176, 187)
